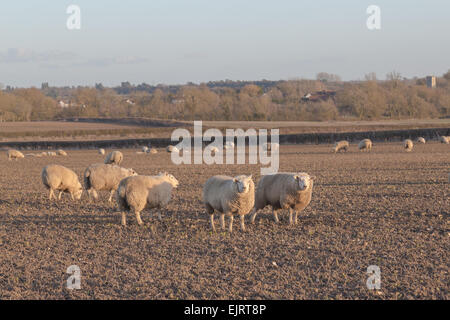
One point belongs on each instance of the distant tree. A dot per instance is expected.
(372, 76)
(328, 77)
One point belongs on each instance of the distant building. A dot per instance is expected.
(431, 81)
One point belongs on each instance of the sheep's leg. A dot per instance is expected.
(295, 217)
(222, 221)
(71, 195)
(52, 195)
(242, 222)
(60, 194)
(138, 217)
(253, 215)
(124, 219)
(290, 215)
(230, 228)
(275, 215)
(211, 218)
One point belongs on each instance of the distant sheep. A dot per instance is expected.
(271, 146)
(229, 195)
(365, 144)
(61, 152)
(135, 193)
(51, 153)
(171, 149)
(14, 154)
(444, 139)
(421, 140)
(98, 177)
(30, 155)
(56, 177)
(292, 191)
(145, 149)
(115, 157)
(152, 151)
(101, 151)
(408, 145)
(342, 145)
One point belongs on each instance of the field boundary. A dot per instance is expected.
(302, 138)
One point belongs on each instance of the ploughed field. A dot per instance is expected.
(387, 208)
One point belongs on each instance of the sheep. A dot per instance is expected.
(444, 139)
(101, 151)
(271, 146)
(137, 192)
(14, 154)
(408, 145)
(43, 154)
(115, 157)
(291, 191)
(101, 176)
(56, 177)
(421, 140)
(229, 195)
(61, 152)
(145, 149)
(172, 149)
(51, 153)
(365, 144)
(152, 151)
(341, 146)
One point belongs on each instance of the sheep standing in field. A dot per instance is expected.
(98, 177)
(30, 155)
(145, 149)
(421, 140)
(101, 151)
(115, 157)
(51, 153)
(229, 195)
(365, 144)
(56, 177)
(14, 154)
(444, 139)
(408, 145)
(291, 191)
(137, 192)
(341, 146)
(61, 152)
(171, 149)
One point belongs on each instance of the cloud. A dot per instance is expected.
(21, 55)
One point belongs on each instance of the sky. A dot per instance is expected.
(175, 41)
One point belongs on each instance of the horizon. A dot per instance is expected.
(174, 43)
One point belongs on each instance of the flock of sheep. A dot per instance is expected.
(223, 194)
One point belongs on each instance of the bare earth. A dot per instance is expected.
(386, 208)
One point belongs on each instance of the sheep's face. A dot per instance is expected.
(172, 180)
(131, 172)
(243, 183)
(303, 180)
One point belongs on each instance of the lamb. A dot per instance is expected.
(172, 149)
(56, 177)
(61, 152)
(291, 191)
(271, 146)
(137, 192)
(408, 145)
(365, 144)
(101, 176)
(444, 139)
(342, 145)
(101, 151)
(14, 154)
(229, 195)
(421, 140)
(115, 157)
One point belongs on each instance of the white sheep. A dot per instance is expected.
(229, 195)
(292, 191)
(421, 140)
(408, 145)
(115, 157)
(99, 176)
(101, 151)
(56, 177)
(51, 153)
(137, 192)
(61, 152)
(152, 151)
(444, 139)
(171, 148)
(145, 149)
(271, 146)
(14, 154)
(365, 144)
(342, 145)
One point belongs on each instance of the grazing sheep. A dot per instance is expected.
(14, 154)
(421, 140)
(115, 157)
(56, 177)
(229, 195)
(43, 154)
(271, 146)
(172, 149)
(341, 146)
(61, 152)
(408, 145)
(51, 153)
(98, 177)
(291, 191)
(101, 151)
(365, 144)
(152, 151)
(444, 139)
(135, 193)
(145, 149)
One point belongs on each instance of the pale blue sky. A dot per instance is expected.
(174, 41)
